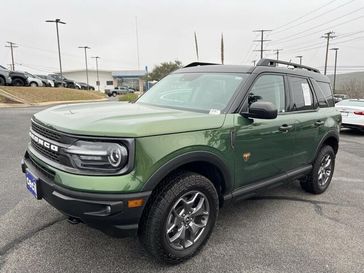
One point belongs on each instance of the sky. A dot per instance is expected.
(166, 32)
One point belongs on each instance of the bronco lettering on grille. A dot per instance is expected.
(43, 143)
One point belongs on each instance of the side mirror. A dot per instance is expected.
(262, 109)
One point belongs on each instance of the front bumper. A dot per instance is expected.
(108, 212)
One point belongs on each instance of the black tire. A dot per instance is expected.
(114, 94)
(312, 183)
(2, 81)
(33, 84)
(18, 82)
(153, 227)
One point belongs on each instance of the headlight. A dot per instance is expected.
(98, 156)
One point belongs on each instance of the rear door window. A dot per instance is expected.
(301, 93)
(326, 91)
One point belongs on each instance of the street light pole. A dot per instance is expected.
(58, 21)
(85, 48)
(335, 49)
(300, 57)
(97, 71)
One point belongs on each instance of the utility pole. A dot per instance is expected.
(262, 41)
(300, 57)
(277, 52)
(97, 71)
(196, 46)
(335, 49)
(12, 45)
(58, 21)
(137, 40)
(254, 61)
(222, 48)
(85, 48)
(329, 35)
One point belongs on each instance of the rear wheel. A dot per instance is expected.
(18, 82)
(2, 81)
(114, 94)
(33, 84)
(180, 218)
(323, 169)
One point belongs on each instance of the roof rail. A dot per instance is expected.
(198, 64)
(272, 62)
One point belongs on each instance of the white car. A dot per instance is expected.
(352, 113)
(33, 81)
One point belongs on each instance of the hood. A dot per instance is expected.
(117, 119)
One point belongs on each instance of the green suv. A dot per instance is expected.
(161, 167)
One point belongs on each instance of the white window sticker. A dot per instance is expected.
(306, 93)
(215, 112)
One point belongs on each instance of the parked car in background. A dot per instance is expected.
(4, 76)
(352, 113)
(340, 97)
(57, 82)
(47, 82)
(18, 78)
(122, 90)
(33, 80)
(85, 86)
(77, 85)
(66, 82)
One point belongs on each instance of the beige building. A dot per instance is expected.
(109, 78)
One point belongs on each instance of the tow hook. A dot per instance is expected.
(73, 221)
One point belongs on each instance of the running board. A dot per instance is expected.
(251, 189)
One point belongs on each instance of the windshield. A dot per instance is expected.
(195, 91)
(359, 103)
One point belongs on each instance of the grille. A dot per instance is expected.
(46, 152)
(48, 173)
(46, 132)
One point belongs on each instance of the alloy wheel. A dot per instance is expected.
(187, 220)
(325, 170)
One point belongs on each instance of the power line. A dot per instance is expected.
(12, 46)
(262, 41)
(312, 43)
(328, 35)
(319, 15)
(292, 37)
(308, 13)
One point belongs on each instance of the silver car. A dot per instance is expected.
(4, 76)
(352, 113)
(33, 81)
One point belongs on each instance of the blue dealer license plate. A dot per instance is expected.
(32, 183)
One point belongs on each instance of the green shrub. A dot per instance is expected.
(128, 97)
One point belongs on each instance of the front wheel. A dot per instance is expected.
(323, 169)
(180, 218)
(33, 84)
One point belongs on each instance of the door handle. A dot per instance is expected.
(319, 123)
(285, 127)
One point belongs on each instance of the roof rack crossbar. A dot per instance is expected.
(272, 62)
(198, 64)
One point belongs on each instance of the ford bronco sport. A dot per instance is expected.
(163, 166)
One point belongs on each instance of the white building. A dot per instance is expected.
(109, 78)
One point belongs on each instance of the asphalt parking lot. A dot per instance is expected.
(283, 230)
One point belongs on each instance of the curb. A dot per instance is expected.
(23, 103)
